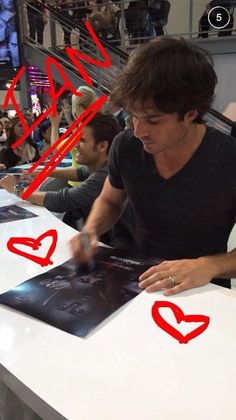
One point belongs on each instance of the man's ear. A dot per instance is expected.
(191, 115)
(102, 147)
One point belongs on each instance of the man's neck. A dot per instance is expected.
(175, 158)
(98, 164)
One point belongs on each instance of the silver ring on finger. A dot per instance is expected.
(171, 282)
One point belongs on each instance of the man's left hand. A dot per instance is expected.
(176, 276)
(8, 183)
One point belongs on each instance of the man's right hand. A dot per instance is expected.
(27, 176)
(83, 253)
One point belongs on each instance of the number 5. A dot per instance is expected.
(218, 17)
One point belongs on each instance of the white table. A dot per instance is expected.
(128, 368)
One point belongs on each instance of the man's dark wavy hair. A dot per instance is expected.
(173, 75)
(104, 127)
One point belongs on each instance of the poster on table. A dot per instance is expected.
(76, 298)
(12, 213)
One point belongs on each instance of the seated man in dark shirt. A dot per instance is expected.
(178, 175)
(92, 150)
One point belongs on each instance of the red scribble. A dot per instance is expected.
(67, 83)
(55, 95)
(72, 53)
(35, 244)
(179, 315)
(87, 115)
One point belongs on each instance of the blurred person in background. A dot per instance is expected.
(64, 7)
(78, 105)
(136, 19)
(3, 136)
(5, 121)
(25, 153)
(29, 118)
(159, 11)
(44, 132)
(104, 20)
(81, 11)
(37, 18)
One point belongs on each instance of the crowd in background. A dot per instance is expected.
(42, 137)
(143, 18)
(34, 146)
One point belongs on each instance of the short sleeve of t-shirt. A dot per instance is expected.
(114, 162)
(83, 172)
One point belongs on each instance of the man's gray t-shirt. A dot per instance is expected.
(78, 200)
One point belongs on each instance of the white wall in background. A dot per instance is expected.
(225, 66)
(178, 21)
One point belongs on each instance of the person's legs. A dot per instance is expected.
(203, 26)
(32, 24)
(66, 29)
(230, 25)
(158, 29)
(39, 29)
(67, 34)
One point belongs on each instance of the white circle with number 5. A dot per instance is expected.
(218, 17)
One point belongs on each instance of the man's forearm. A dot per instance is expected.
(103, 216)
(36, 198)
(222, 265)
(70, 174)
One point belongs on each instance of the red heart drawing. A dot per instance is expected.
(35, 245)
(179, 315)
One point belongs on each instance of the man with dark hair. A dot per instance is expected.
(92, 149)
(178, 174)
